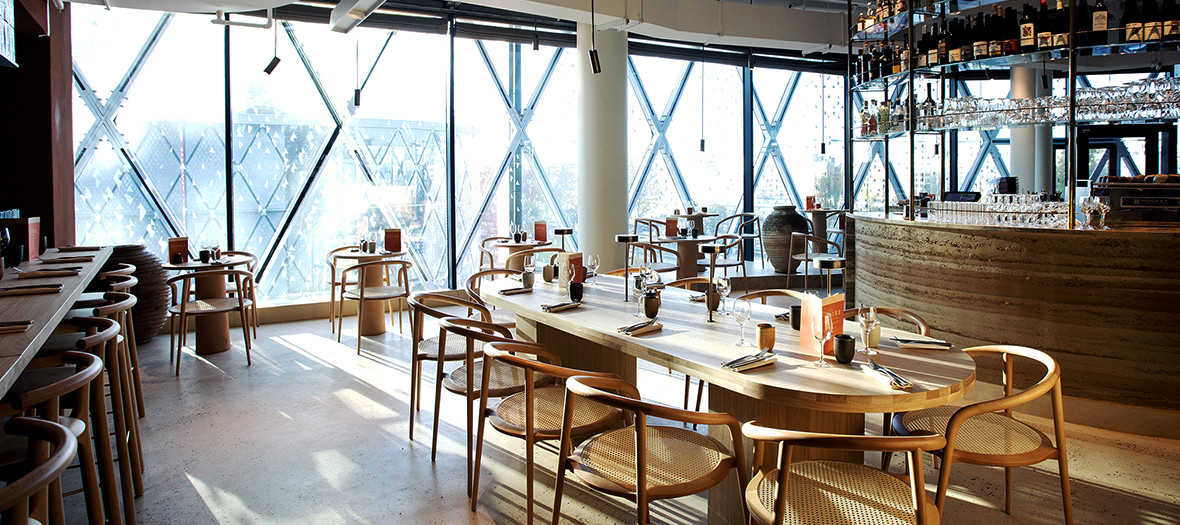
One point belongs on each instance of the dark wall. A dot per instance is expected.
(36, 138)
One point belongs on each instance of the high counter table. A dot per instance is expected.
(788, 394)
(45, 310)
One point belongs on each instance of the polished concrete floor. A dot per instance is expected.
(314, 433)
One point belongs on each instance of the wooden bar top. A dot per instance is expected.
(45, 310)
(690, 345)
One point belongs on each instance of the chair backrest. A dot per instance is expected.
(122, 283)
(86, 367)
(114, 303)
(623, 271)
(98, 330)
(688, 282)
(656, 253)
(534, 253)
(473, 330)
(401, 268)
(789, 439)
(117, 269)
(250, 264)
(418, 304)
(488, 254)
(14, 497)
(241, 278)
(740, 220)
(761, 295)
(652, 227)
(896, 313)
(1050, 381)
(807, 239)
(730, 241)
(476, 279)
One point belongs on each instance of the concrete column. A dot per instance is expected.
(1024, 144)
(602, 146)
(1045, 156)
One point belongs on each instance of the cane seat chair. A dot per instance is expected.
(986, 433)
(467, 380)
(624, 271)
(335, 280)
(724, 260)
(27, 499)
(537, 412)
(807, 242)
(536, 253)
(487, 257)
(58, 388)
(501, 317)
(651, 227)
(182, 309)
(645, 462)
(385, 292)
(438, 348)
(738, 226)
(654, 257)
(232, 289)
(836, 492)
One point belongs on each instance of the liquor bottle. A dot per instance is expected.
(954, 53)
(982, 43)
(1044, 27)
(1153, 24)
(1132, 23)
(920, 57)
(886, 63)
(1011, 25)
(899, 7)
(927, 111)
(1171, 16)
(996, 33)
(907, 56)
(883, 117)
(932, 47)
(1028, 31)
(873, 112)
(943, 42)
(864, 119)
(1099, 24)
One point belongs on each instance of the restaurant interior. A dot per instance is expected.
(590, 261)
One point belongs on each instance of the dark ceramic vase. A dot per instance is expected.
(776, 235)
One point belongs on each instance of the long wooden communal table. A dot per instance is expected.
(45, 310)
(788, 394)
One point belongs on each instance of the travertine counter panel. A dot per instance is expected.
(1105, 304)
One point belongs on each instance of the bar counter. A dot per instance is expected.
(1104, 303)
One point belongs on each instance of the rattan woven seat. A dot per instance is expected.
(377, 273)
(838, 492)
(504, 379)
(589, 417)
(503, 317)
(215, 305)
(983, 435)
(677, 459)
(456, 349)
(376, 293)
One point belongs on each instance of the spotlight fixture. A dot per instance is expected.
(595, 65)
(274, 62)
(356, 97)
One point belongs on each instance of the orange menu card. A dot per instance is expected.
(393, 239)
(178, 250)
(539, 231)
(831, 307)
(670, 229)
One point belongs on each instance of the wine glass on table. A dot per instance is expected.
(741, 314)
(639, 284)
(593, 264)
(1087, 207)
(723, 288)
(868, 322)
(821, 330)
(1102, 206)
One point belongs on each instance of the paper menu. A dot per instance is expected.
(564, 261)
(393, 239)
(831, 307)
(178, 250)
(540, 231)
(670, 229)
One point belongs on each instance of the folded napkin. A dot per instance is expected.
(14, 327)
(78, 248)
(41, 274)
(748, 364)
(13, 291)
(560, 307)
(785, 316)
(649, 329)
(71, 259)
(886, 376)
(697, 298)
(927, 344)
(514, 291)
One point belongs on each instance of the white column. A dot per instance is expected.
(602, 146)
(1046, 156)
(1023, 164)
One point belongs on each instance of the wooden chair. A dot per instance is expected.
(653, 257)
(725, 261)
(536, 413)
(985, 433)
(922, 328)
(689, 283)
(536, 253)
(623, 271)
(251, 292)
(40, 473)
(641, 461)
(117, 269)
(761, 295)
(436, 348)
(505, 379)
(738, 226)
(501, 317)
(181, 309)
(652, 227)
(807, 256)
(123, 284)
(335, 280)
(384, 292)
(487, 257)
(836, 492)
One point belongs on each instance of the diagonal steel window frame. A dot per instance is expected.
(771, 151)
(658, 125)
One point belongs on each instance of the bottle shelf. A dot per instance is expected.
(893, 26)
(881, 137)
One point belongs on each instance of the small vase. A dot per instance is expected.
(776, 236)
(651, 304)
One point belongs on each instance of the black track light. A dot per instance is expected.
(356, 97)
(274, 62)
(595, 66)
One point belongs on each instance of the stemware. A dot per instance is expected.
(1102, 206)
(530, 265)
(1087, 207)
(867, 325)
(821, 330)
(639, 284)
(741, 313)
(723, 287)
(593, 263)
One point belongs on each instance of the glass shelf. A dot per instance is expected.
(895, 24)
(881, 137)
(880, 83)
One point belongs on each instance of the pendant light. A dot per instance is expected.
(274, 62)
(823, 113)
(595, 66)
(356, 93)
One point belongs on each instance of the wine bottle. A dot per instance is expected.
(1153, 24)
(995, 32)
(1011, 27)
(1099, 24)
(981, 38)
(1028, 31)
(1171, 16)
(1132, 23)
(1044, 27)
(932, 47)
(883, 117)
(886, 63)
(920, 57)
(907, 56)
(954, 53)
(927, 108)
(943, 44)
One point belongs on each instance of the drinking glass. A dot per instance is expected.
(4, 240)
(723, 287)
(867, 325)
(1087, 207)
(821, 330)
(1102, 206)
(741, 314)
(639, 284)
(530, 265)
(593, 264)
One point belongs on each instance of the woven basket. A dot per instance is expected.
(152, 295)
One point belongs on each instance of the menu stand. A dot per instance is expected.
(626, 239)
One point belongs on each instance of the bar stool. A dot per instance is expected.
(114, 354)
(14, 497)
(121, 283)
(51, 388)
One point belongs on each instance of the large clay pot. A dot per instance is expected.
(777, 228)
(151, 294)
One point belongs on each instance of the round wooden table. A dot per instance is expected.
(686, 251)
(370, 317)
(212, 330)
(697, 219)
(515, 247)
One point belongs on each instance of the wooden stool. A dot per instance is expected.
(14, 497)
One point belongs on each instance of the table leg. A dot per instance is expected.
(372, 313)
(726, 499)
(819, 226)
(212, 330)
(687, 252)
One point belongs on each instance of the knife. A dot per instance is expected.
(31, 287)
(901, 381)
